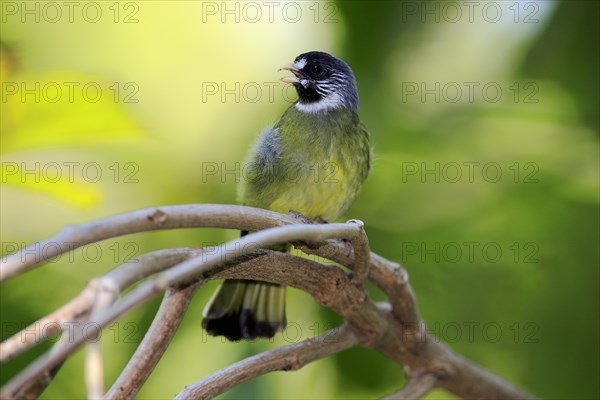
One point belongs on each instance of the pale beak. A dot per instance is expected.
(289, 79)
(287, 67)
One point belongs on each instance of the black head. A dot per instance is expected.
(323, 82)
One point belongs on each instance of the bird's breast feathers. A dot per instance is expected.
(322, 190)
(311, 164)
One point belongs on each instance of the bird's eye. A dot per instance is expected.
(316, 69)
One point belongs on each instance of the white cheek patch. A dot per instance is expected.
(304, 83)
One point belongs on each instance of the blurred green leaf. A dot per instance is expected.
(63, 109)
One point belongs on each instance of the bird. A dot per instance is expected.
(313, 162)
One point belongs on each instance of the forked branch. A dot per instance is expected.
(395, 328)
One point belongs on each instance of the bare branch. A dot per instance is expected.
(55, 356)
(154, 344)
(395, 330)
(122, 277)
(393, 280)
(94, 375)
(94, 368)
(46, 326)
(33, 388)
(182, 273)
(360, 245)
(291, 357)
(416, 388)
(148, 219)
(387, 275)
(76, 313)
(249, 244)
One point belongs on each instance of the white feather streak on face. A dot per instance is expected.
(299, 64)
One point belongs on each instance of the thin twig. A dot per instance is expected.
(94, 368)
(387, 275)
(155, 342)
(94, 375)
(122, 277)
(360, 245)
(55, 356)
(33, 388)
(74, 316)
(291, 357)
(416, 388)
(248, 244)
(393, 280)
(36, 386)
(46, 326)
(148, 219)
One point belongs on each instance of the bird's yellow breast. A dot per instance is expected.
(310, 164)
(323, 192)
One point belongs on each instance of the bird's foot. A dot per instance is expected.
(302, 219)
(297, 216)
(348, 248)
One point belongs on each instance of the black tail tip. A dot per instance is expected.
(253, 328)
(242, 326)
(228, 326)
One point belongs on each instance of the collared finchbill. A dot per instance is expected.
(319, 130)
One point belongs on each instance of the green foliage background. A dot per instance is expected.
(529, 314)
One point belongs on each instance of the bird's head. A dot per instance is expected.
(323, 82)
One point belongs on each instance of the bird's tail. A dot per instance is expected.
(241, 309)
